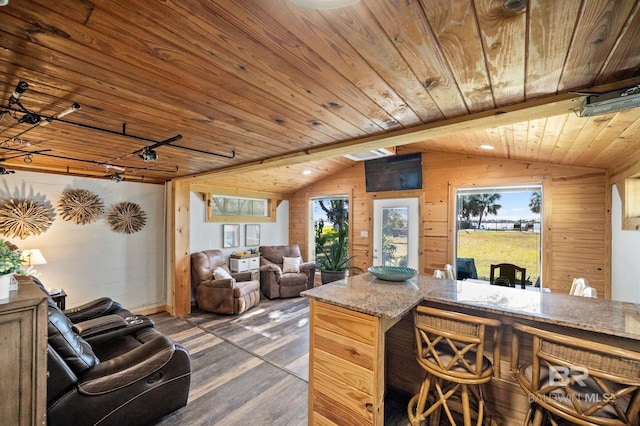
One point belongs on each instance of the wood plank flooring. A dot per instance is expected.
(250, 368)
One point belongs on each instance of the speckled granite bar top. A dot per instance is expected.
(367, 294)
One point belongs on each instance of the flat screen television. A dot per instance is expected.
(394, 173)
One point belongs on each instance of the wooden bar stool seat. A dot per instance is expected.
(577, 380)
(450, 348)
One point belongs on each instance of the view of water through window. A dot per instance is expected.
(498, 225)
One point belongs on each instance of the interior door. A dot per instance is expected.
(395, 232)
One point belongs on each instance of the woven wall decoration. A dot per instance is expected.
(80, 206)
(126, 217)
(22, 218)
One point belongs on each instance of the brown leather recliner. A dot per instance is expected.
(224, 295)
(112, 371)
(274, 282)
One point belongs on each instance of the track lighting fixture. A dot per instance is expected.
(21, 87)
(74, 107)
(4, 171)
(17, 111)
(117, 178)
(148, 155)
(108, 167)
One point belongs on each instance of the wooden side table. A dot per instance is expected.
(60, 299)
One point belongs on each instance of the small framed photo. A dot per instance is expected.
(230, 236)
(252, 235)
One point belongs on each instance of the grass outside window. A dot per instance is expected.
(491, 247)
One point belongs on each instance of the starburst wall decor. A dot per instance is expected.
(22, 218)
(126, 217)
(80, 206)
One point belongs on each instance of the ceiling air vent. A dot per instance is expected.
(370, 155)
(610, 102)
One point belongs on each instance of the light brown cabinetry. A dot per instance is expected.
(346, 367)
(23, 351)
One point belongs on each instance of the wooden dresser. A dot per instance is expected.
(23, 356)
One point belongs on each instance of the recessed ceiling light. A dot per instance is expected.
(485, 146)
(306, 172)
(324, 4)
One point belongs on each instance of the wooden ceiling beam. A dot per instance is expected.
(539, 108)
(566, 103)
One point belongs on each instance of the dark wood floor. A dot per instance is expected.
(250, 368)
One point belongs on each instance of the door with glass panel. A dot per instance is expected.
(395, 232)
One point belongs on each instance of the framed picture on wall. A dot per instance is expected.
(252, 235)
(230, 236)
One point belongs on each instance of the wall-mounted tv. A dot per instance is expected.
(394, 173)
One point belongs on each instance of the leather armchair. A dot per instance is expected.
(223, 295)
(90, 310)
(274, 282)
(134, 377)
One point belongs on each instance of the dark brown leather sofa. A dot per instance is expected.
(224, 295)
(111, 368)
(274, 282)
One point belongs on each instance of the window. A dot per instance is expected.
(498, 225)
(234, 206)
(226, 208)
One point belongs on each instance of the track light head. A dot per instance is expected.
(117, 178)
(30, 118)
(148, 155)
(19, 90)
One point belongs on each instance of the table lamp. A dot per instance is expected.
(31, 258)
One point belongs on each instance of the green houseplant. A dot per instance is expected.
(9, 263)
(332, 254)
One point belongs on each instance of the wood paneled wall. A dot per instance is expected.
(576, 234)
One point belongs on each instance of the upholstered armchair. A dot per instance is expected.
(216, 289)
(283, 273)
(135, 376)
(87, 311)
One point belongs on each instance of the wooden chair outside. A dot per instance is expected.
(508, 271)
(578, 380)
(451, 349)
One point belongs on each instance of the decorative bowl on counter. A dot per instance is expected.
(392, 273)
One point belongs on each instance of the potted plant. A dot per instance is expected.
(332, 256)
(10, 263)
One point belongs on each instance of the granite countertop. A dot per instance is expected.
(367, 294)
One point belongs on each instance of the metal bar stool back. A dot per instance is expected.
(577, 380)
(451, 349)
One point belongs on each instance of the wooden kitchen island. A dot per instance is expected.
(362, 339)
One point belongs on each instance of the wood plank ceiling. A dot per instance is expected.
(268, 82)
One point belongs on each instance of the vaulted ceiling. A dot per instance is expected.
(245, 85)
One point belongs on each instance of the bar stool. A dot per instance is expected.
(578, 380)
(450, 347)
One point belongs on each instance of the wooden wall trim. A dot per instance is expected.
(180, 253)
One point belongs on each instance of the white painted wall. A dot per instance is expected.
(208, 235)
(625, 246)
(90, 261)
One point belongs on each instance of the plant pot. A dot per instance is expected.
(5, 286)
(331, 276)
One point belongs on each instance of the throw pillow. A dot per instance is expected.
(291, 264)
(220, 273)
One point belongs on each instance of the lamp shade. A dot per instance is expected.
(32, 257)
(324, 4)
